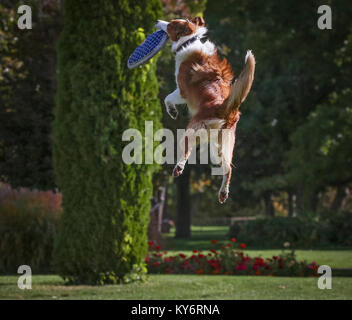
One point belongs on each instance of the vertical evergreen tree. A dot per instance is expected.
(103, 233)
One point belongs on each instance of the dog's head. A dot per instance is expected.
(179, 28)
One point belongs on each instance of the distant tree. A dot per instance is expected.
(296, 73)
(103, 232)
(27, 90)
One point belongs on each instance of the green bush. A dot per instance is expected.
(28, 222)
(102, 236)
(336, 228)
(328, 230)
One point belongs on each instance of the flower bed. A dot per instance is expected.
(228, 259)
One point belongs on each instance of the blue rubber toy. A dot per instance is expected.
(149, 48)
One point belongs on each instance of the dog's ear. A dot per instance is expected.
(189, 28)
(198, 21)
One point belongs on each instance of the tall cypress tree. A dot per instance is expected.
(103, 233)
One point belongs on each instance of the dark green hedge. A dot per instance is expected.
(28, 223)
(103, 231)
(331, 229)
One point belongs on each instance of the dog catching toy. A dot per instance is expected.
(148, 49)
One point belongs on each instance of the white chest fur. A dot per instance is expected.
(207, 48)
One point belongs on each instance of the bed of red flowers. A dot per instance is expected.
(227, 259)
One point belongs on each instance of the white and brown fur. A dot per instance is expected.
(205, 83)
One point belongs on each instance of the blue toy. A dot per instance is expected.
(149, 48)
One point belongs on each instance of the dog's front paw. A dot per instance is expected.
(171, 110)
(223, 195)
(177, 170)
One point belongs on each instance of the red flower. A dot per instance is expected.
(213, 251)
(260, 261)
(147, 259)
(241, 266)
(201, 255)
(157, 254)
(183, 256)
(156, 263)
(233, 240)
(275, 257)
(194, 251)
(157, 248)
(213, 241)
(242, 245)
(150, 243)
(228, 245)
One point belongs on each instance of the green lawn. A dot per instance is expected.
(201, 287)
(182, 287)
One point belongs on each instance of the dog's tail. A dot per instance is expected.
(240, 88)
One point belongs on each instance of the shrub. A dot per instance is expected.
(228, 260)
(327, 230)
(103, 231)
(28, 222)
(336, 228)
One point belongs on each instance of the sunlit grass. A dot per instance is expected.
(181, 287)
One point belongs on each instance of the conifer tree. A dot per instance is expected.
(103, 233)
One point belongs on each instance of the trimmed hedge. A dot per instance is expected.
(28, 223)
(102, 235)
(330, 230)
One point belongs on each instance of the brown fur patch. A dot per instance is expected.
(178, 28)
(205, 81)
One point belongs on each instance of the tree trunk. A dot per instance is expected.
(290, 203)
(300, 199)
(313, 201)
(183, 220)
(269, 208)
(340, 195)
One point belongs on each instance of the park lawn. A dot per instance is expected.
(202, 236)
(176, 287)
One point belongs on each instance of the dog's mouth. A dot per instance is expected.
(161, 25)
(176, 29)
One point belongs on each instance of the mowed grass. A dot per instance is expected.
(202, 236)
(199, 287)
(175, 287)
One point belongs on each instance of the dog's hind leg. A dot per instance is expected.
(227, 144)
(188, 141)
(186, 145)
(225, 186)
